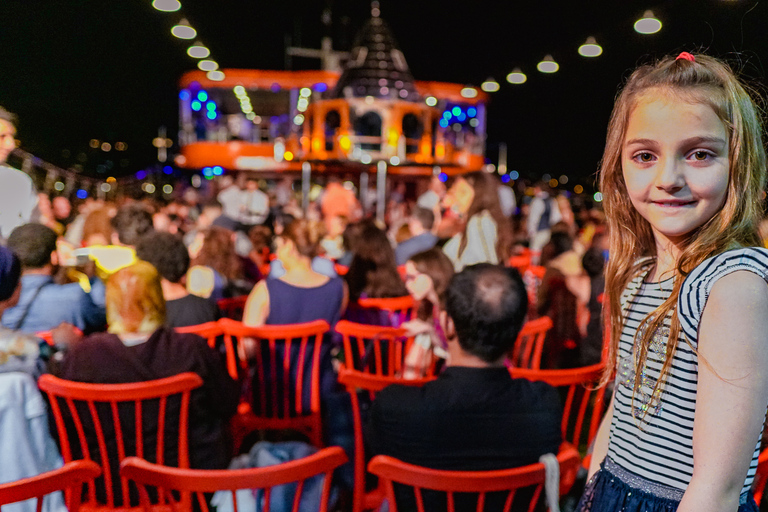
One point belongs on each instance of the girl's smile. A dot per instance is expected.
(675, 164)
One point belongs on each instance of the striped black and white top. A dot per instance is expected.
(657, 442)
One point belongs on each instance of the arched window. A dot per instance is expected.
(332, 124)
(369, 125)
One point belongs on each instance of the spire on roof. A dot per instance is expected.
(376, 66)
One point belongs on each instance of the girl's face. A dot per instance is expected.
(419, 285)
(675, 164)
(460, 196)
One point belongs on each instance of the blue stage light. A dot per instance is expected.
(443, 177)
(211, 114)
(443, 123)
(471, 111)
(196, 106)
(210, 105)
(218, 170)
(456, 111)
(202, 96)
(82, 194)
(184, 95)
(168, 169)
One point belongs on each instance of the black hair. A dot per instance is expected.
(33, 244)
(425, 217)
(166, 252)
(487, 304)
(593, 262)
(131, 222)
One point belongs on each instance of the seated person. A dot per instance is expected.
(44, 304)
(19, 352)
(474, 416)
(139, 348)
(168, 254)
(422, 239)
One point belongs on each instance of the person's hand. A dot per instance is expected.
(65, 335)
(416, 326)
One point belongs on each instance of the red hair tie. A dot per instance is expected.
(686, 56)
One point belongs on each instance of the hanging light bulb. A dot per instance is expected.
(468, 92)
(166, 5)
(648, 24)
(516, 77)
(208, 65)
(548, 65)
(490, 85)
(216, 76)
(198, 50)
(183, 30)
(590, 48)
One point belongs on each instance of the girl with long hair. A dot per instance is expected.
(682, 173)
(486, 236)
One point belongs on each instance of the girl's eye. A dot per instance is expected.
(644, 157)
(701, 155)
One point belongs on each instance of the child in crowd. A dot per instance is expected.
(682, 173)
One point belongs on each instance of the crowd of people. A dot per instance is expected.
(676, 258)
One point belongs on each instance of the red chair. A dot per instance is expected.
(583, 404)
(68, 478)
(530, 344)
(374, 349)
(355, 382)
(47, 336)
(209, 330)
(176, 486)
(341, 270)
(232, 307)
(520, 262)
(391, 311)
(285, 373)
(761, 476)
(108, 422)
(390, 470)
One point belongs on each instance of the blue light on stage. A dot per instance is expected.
(218, 170)
(447, 115)
(505, 178)
(210, 105)
(196, 106)
(321, 87)
(184, 95)
(514, 175)
(82, 194)
(462, 117)
(471, 111)
(211, 114)
(141, 175)
(456, 111)
(443, 177)
(202, 96)
(207, 171)
(443, 123)
(168, 169)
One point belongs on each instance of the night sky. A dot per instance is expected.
(74, 70)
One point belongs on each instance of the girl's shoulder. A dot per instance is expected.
(698, 284)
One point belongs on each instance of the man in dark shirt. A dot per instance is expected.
(422, 239)
(474, 417)
(168, 254)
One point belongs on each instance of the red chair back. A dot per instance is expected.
(450, 483)
(209, 330)
(174, 484)
(374, 349)
(761, 476)
(355, 382)
(232, 307)
(108, 422)
(390, 312)
(284, 377)
(530, 343)
(68, 478)
(583, 404)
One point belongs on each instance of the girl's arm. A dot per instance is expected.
(257, 306)
(732, 391)
(600, 449)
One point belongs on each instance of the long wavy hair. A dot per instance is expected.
(218, 252)
(486, 198)
(707, 81)
(373, 271)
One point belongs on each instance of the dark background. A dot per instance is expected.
(74, 70)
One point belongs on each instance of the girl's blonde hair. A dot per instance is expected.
(134, 299)
(709, 81)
